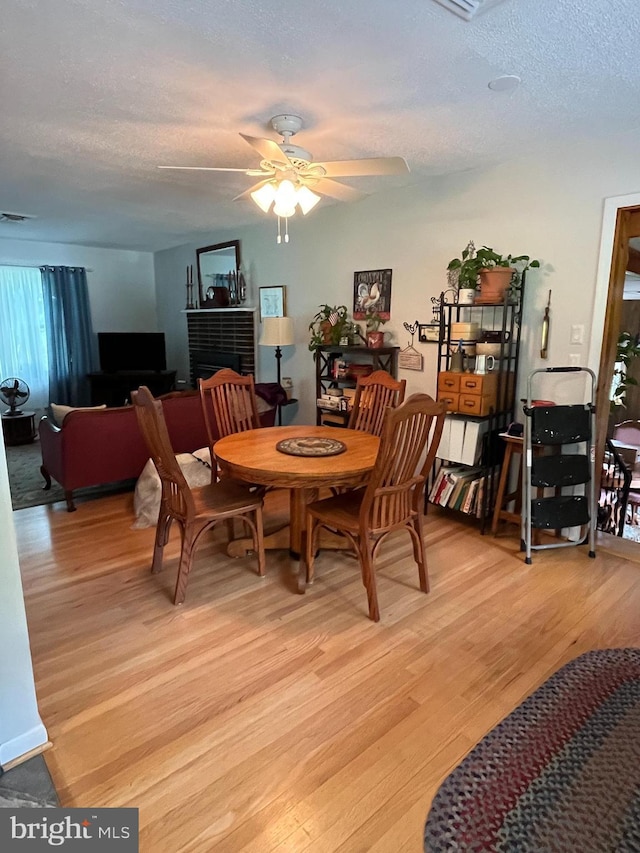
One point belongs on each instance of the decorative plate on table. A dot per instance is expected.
(311, 446)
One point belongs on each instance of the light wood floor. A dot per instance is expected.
(256, 719)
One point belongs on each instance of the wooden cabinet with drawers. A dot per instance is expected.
(468, 393)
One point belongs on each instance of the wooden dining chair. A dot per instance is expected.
(229, 404)
(195, 510)
(374, 394)
(393, 498)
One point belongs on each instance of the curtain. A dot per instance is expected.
(70, 338)
(23, 342)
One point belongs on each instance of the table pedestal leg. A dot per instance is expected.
(291, 535)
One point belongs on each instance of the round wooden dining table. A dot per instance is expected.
(252, 456)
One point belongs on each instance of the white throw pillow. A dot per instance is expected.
(196, 468)
(60, 412)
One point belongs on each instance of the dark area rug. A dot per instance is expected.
(28, 785)
(560, 773)
(26, 482)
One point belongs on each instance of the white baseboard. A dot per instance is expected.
(11, 751)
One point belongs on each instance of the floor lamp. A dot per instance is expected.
(277, 332)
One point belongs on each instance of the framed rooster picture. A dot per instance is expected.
(372, 294)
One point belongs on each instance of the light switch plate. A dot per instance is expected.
(574, 359)
(577, 334)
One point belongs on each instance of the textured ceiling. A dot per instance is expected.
(96, 93)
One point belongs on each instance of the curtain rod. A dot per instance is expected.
(39, 266)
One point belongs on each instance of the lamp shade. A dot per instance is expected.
(277, 332)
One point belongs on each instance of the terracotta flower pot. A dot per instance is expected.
(375, 340)
(327, 332)
(494, 282)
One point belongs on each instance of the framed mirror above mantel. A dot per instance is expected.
(220, 282)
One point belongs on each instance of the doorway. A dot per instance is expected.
(621, 312)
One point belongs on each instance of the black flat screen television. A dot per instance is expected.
(131, 351)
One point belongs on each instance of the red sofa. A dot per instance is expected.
(95, 447)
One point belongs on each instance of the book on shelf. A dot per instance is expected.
(450, 482)
(461, 479)
(437, 483)
(468, 505)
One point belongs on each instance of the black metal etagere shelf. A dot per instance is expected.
(505, 317)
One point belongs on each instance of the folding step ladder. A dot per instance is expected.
(556, 427)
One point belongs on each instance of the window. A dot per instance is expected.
(23, 342)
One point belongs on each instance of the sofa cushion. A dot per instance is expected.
(60, 412)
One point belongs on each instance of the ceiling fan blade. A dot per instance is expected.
(334, 189)
(369, 166)
(212, 169)
(268, 149)
(252, 189)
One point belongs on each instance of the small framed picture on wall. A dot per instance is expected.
(272, 302)
(372, 294)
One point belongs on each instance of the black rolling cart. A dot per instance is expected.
(569, 431)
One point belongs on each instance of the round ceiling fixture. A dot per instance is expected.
(506, 83)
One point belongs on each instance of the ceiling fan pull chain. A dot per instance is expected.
(286, 229)
(279, 237)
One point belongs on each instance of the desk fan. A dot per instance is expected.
(14, 392)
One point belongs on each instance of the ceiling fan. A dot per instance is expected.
(289, 176)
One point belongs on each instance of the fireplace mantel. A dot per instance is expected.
(218, 310)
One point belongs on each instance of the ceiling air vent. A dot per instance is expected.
(467, 8)
(15, 217)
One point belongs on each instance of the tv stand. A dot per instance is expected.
(115, 389)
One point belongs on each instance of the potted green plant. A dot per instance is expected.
(329, 324)
(627, 350)
(462, 275)
(492, 272)
(375, 337)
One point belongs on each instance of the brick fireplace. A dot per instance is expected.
(221, 337)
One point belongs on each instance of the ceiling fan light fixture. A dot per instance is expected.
(265, 196)
(307, 199)
(285, 199)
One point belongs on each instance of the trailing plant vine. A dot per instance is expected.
(628, 348)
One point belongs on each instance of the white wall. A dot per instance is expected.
(121, 283)
(549, 206)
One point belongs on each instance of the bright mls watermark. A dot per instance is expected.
(34, 830)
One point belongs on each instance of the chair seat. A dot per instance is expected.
(342, 510)
(225, 498)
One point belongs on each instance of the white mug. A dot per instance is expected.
(484, 363)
